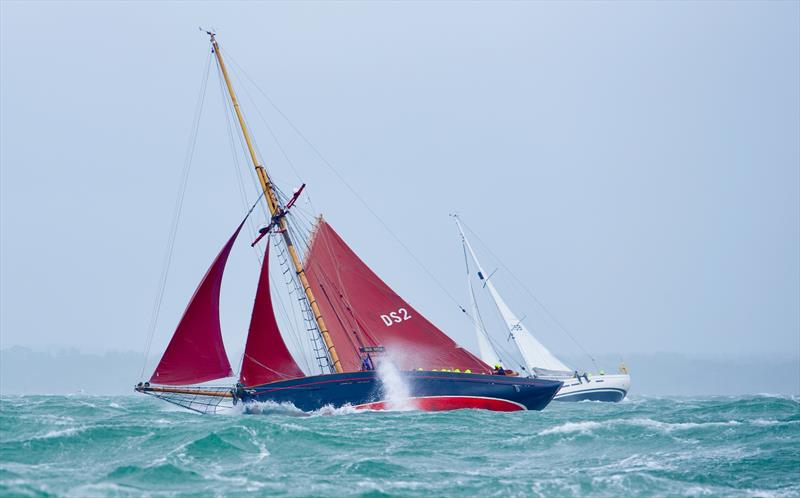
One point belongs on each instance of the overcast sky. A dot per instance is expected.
(637, 165)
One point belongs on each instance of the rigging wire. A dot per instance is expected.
(176, 214)
(352, 190)
(236, 163)
(263, 119)
(295, 233)
(237, 166)
(230, 114)
(535, 299)
(241, 84)
(290, 319)
(293, 282)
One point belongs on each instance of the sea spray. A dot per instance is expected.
(396, 390)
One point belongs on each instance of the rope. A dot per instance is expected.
(187, 165)
(237, 165)
(243, 87)
(296, 236)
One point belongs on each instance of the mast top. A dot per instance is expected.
(277, 211)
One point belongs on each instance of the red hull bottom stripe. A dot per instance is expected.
(445, 403)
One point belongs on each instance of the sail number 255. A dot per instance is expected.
(398, 316)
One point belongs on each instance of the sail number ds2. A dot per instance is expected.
(398, 316)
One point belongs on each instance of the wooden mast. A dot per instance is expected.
(277, 212)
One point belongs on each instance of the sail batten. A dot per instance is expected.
(266, 357)
(196, 352)
(362, 311)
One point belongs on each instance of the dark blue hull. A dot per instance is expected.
(427, 390)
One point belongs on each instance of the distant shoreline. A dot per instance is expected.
(28, 371)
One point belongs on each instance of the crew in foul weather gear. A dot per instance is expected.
(366, 364)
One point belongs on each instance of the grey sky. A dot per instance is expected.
(636, 164)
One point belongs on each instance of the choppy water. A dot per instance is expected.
(138, 446)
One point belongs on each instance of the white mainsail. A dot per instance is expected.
(534, 354)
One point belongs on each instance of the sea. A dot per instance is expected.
(87, 446)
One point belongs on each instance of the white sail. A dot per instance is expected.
(535, 355)
(486, 352)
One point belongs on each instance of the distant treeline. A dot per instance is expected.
(24, 371)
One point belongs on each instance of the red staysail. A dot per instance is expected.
(361, 310)
(196, 352)
(266, 358)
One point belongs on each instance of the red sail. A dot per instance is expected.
(196, 353)
(266, 358)
(360, 310)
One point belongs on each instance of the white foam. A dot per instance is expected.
(263, 452)
(762, 422)
(677, 426)
(328, 410)
(699, 491)
(98, 489)
(287, 409)
(266, 408)
(587, 427)
(568, 427)
(71, 431)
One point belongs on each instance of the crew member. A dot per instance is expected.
(366, 364)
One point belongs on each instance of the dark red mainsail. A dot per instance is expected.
(360, 310)
(266, 358)
(196, 352)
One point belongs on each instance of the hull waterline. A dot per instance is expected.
(611, 388)
(431, 391)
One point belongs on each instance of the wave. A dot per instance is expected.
(569, 427)
(724, 446)
(161, 473)
(289, 409)
(59, 433)
(588, 427)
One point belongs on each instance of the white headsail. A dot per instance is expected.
(486, 352)
(536, 356)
